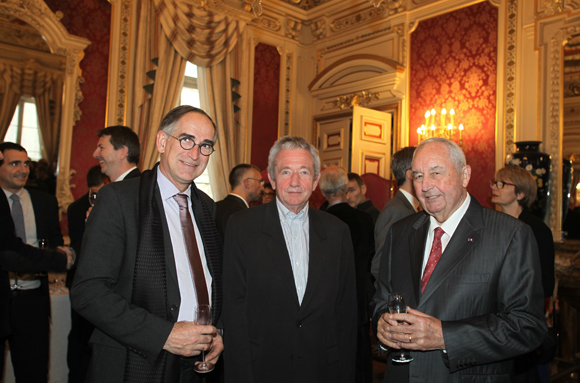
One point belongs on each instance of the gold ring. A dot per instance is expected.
(410, 340)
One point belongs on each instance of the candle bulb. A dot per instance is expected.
(427, 115)
(432, 130)
(432, 116)
(452, 113)
(443, 113)
(461, 135)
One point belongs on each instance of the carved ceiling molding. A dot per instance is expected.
(357, 18)
(306, 4)
(21, 35)
(318, 28)
(356, 99)
(293, 28)
(37, 14)
(269, 23)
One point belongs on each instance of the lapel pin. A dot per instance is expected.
(470, 239)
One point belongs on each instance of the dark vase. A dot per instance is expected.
(567, 173)
(529, 157)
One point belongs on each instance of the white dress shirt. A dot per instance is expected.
(184, 273)
(296, 233)
(122, 176)
(412, 200)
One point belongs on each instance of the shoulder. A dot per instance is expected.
(328, 220)
(40, 195)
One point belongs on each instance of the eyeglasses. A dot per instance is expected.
(499, 184)
(256, 179)
(187, 143)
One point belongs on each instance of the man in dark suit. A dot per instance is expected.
(470, 276)
(17, 256)
(289, 282)
(78, 352)
(247, 185)
(356, 196)
(146, 263)
(118, 152)
(403, 204)
(333, 184)
(35, 216)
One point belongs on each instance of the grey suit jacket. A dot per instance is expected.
(486, 290)
(396, 209)
(268, 335)
(104, 281)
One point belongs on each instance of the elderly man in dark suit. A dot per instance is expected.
(35, 215)
(333, 184)
(473, 290)
(247, 184)
(17, 256)
(403, 204)
(151, 254)
(289, 282)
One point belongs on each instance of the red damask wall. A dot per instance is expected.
(453, 65)
(90, 19)
(266, 99)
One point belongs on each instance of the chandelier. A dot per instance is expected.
(446, 129)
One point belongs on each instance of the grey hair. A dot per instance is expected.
(169, 122)
(333, 181)
(455, 153)
(292, 142)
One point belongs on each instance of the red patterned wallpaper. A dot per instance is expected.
(266, 101)
(453, 65)
(90, 19)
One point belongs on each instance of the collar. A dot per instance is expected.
(122, 176)
(412, 200)
(18, 193)
(167, 189)
(450, 225)
(286, 214)
(242, 198)
(335, 203)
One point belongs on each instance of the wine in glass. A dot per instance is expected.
(397, 305)
(203, 317)
(92, 197)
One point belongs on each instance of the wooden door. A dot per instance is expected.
(334, 142)
(371, 142)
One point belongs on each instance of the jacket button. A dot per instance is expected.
(298, 324)
(173, 307)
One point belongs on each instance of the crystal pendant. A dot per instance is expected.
(257, 8)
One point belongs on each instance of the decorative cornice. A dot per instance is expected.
(293, 28)
(21, 35)
(510, 74)
(269, 23)
(318, 28)
(306, 4)
(356, 99)
(358, 18)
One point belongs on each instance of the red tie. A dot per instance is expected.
(192, 250)
(434, 257)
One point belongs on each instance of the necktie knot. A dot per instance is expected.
(15, 197)
(439, 233)
(181, 200)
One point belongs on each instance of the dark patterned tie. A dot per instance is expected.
(434, 256)
(192, 250)
(18, 217)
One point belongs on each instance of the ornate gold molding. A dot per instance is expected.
(356, 99)
(510, 76)
(361, 17)
(287, 92)
(293, 28)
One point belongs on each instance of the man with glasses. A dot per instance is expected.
(247, 185)
(151, 254)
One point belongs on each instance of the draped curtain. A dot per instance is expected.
(170, 33)
(29, 78)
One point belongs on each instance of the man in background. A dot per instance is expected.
(35, 216)
(333, 183)
(403, 204)
(247, 185)
(356, 196)
(78, 351)
(118, 152)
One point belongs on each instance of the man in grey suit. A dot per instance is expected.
(470, 276)
(151, 254)
(403, 204)
(290, 310)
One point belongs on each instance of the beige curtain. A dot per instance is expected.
(49, 110)
(231, 142)
(9, 98)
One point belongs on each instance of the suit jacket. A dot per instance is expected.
(15, 255)
(226, 207)
(133, 174)
(485, 289)
(268, 335)
(368, 207)
(46, 216)
(76, 214)
(396, 209)
(360, 225)
(104, 281)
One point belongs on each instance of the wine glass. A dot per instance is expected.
(92, 197)
(203, 317)
(397, 305)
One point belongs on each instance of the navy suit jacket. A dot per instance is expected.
(224, 209)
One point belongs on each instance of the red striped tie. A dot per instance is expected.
(434, 256)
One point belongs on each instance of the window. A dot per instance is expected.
(190, 96)
(24, 128)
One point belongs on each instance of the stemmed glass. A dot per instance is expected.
(397, 305)
(203, 317)
(92, 197)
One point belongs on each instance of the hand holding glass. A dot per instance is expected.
(397, 305)
(203, 317)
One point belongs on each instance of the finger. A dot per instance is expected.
(417, 313)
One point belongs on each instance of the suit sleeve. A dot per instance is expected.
(95, 293)
(54, 234)
(237, 360)
(518, 326)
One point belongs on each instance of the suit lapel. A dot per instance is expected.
(277, 249)
(405, 202)
(464, 239)
(417, 251)
(315, 254)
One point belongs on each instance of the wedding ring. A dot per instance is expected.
(410, 340)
